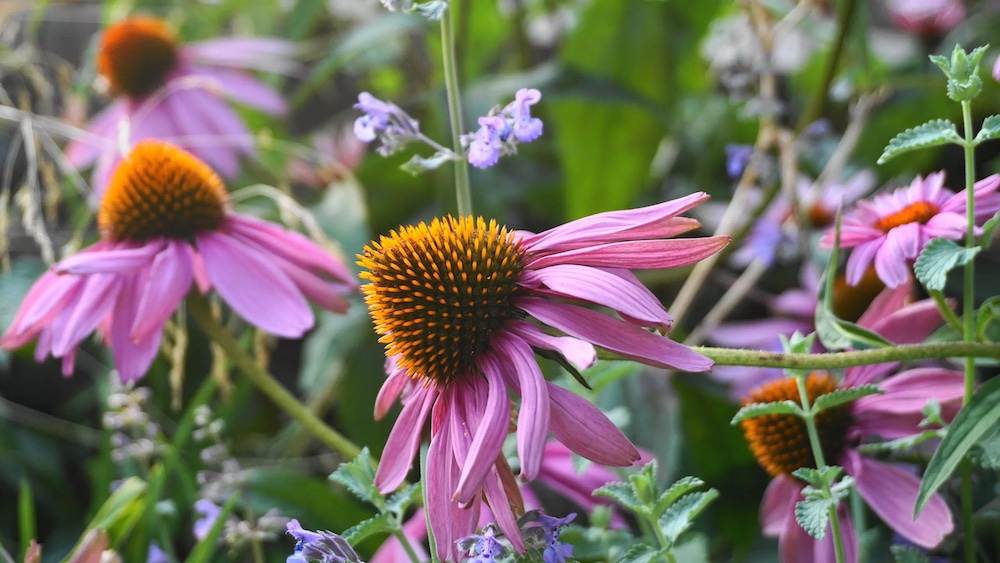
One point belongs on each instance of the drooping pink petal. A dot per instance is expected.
(169, 281)
(583, 428)
(404, 440)
(909, 391)
(910, 325)
(779, 503)
(46, 299)
(103, 129)
(825, 552)
(254, 287)
(132, 357)
(245, 89)
(891, 492)
(859, 260)
(578, 353)
(500, 506)
(601, 288)
(620, 337)
(248, 53)
(209, 129)
(888, 301)
(641, 255)
(390, 390)
(113, 260)
(449, 521)
(93, 303)
(891, 261)
(948, 225)
(490, 431)
(533, 416)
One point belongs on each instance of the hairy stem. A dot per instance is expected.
(840, 360)
(969, 321)
(463, 192)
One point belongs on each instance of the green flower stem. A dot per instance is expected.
(969, 321)
(405, 542)
(946, 312)
(817, 449)
(200, 312)
(463, 192)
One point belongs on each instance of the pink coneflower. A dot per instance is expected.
(781, 446)
(460, 305)
(165, 90)
(165, 222)
(892, 228)
(337, 154)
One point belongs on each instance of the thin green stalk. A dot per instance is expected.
(258, 550)
(946, 312)
(816, 105)
(817, 449)
(405, 542)
(200, 312)
(969, 321)
(463, 192)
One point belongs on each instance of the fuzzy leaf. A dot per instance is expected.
(972, 423)
(930, 134)
(908, 554)
(418, 164)
(825, 475)
(378, 524)
(402, 499)
(900, 444)
(988, 455)
(358, 476)
(682, 513)
(939, 257)
(644, 553)
(990, 129)
(680, 488)
(985, 240)
(813, 515)
(623, 494)
(754, 410)
(844, 395)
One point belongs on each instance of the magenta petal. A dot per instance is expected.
(132, 357)
(615, 335)
(908, 392)
(404, 440)
(891, 493)
(859, 260)
(533, 416)
(291, 246)
(910, 325)
(578, 353)
(390, 390)
(489, 433)
(502, 513)
(50, 294)
(779, 502)
(94, 302)
(103, 129)
(948, 225)
(643, 254)
(254, 287)
(449, 521)
(583, 428)
(111, 260)
(245, 89)
(891, 260)
(602, 288)
(208, 129)
(252, 53)
(169, 281)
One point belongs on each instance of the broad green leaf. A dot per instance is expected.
(623, 494)
(908, 554)
(930, 134)
(939, 257)
(378, 524)
(989, 130)
(844, 395)
(680, 488)
(682, 513)
(643, 553)
(763, 409)
(813, 514)
(972, 423)
(358, 476)
(403, 498)
(833, 332)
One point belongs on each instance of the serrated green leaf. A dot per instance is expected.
(930, 134)
(901, 444)
(402, 499)
(825, 475)
(378, 524)
(418, 164)
(623, 494)
(985, 240)
(358, 476)
(940, 256)
(813, 514)
(644, 485)
(643, 553)
(942, 62)
(975, 420)
(908, 554)
(843, 395)
(989, 130)
(682, 513)
(680, 488)
(833, 332)
(754, 410)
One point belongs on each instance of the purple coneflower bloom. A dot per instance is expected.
(459, 304)
(165, 222)
(892, 228)
(781, 446)
(165, 90)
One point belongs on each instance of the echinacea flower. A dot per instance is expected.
(166, 223)
(319, 547)
(781, 446)
(892, 228)
(459, 305)
(166, 90)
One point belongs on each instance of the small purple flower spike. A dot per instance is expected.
(484, 151)
(555, 551)
(526, 128)
(486, 548)
(375, 119)
(325, 547)
(737, 157)
(209, 514)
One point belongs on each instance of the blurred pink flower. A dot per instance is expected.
(452, 301)
(926, 17)
(892, 228)
(165, 223)
(336, 155)
(781, 446)
(165, 90)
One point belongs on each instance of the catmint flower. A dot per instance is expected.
(525, 127)
(385, 121)
(209, 514)
(484, 548)
(484, 150)
(325, 547)
(555, 551)
(737, 158)
(156, 555)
